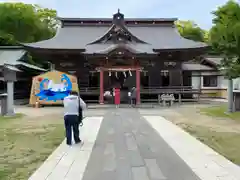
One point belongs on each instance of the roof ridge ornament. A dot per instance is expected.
(118, 32)
(118, 18)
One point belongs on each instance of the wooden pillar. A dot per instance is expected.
(101, 98)
(138, 86)
(179, 98)
(181, 77)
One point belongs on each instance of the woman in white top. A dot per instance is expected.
(129, 98)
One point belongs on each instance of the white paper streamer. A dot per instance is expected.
(130, 73)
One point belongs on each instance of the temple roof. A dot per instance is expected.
(10, 57)
(109, 20)
(91, 36)
(188, 66)
(214, 60)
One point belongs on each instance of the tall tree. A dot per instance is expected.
(190, 30)
(7, 39)
(21, 22)
(225, 39)
(49, 23)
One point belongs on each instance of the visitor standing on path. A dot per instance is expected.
(134, 96)
(129, 98)
(72, 106)
(117, 97)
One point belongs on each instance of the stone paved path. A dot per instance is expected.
(127, 148)
(123, 144)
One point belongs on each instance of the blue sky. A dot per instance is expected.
(196, 10)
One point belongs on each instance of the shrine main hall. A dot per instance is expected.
(103, 53)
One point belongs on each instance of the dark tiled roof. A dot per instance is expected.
(11, 67)
(213, 60)
(106, 48)
(71, 38)
(124, 29)
(164, 37)
(195, 67)
(10, 47)
(12, 57)
(157, 37)
(125, 19)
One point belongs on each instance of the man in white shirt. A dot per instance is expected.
(71, 116)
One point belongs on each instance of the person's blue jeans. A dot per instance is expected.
(72, 124)
(129, 100)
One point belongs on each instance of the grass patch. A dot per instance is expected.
(25, 144)
(225, 143)
(16, 116)
(220, 111)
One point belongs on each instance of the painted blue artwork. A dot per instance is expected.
(54, 92)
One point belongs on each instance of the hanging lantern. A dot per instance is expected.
(40, 79)
(109, 73)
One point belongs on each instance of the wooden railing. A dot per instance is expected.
(18, 94)
(148, 90)
(89, 90)
(169, 89)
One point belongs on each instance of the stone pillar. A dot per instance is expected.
(101, 98)
(9, 74)
(230, 95)
(138, 98)
(10, 98)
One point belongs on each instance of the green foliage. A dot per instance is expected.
(225, 37)
(190, 30)
(25, 23)
(220, 111)
(7, 39)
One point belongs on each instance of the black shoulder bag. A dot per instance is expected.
(80, 114)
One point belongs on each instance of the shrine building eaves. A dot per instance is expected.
(109, 21)
(91, 35)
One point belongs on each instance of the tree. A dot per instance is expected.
(21, 22)
(49, 22)
(7, 39)
(190, 30)
(225, 39)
